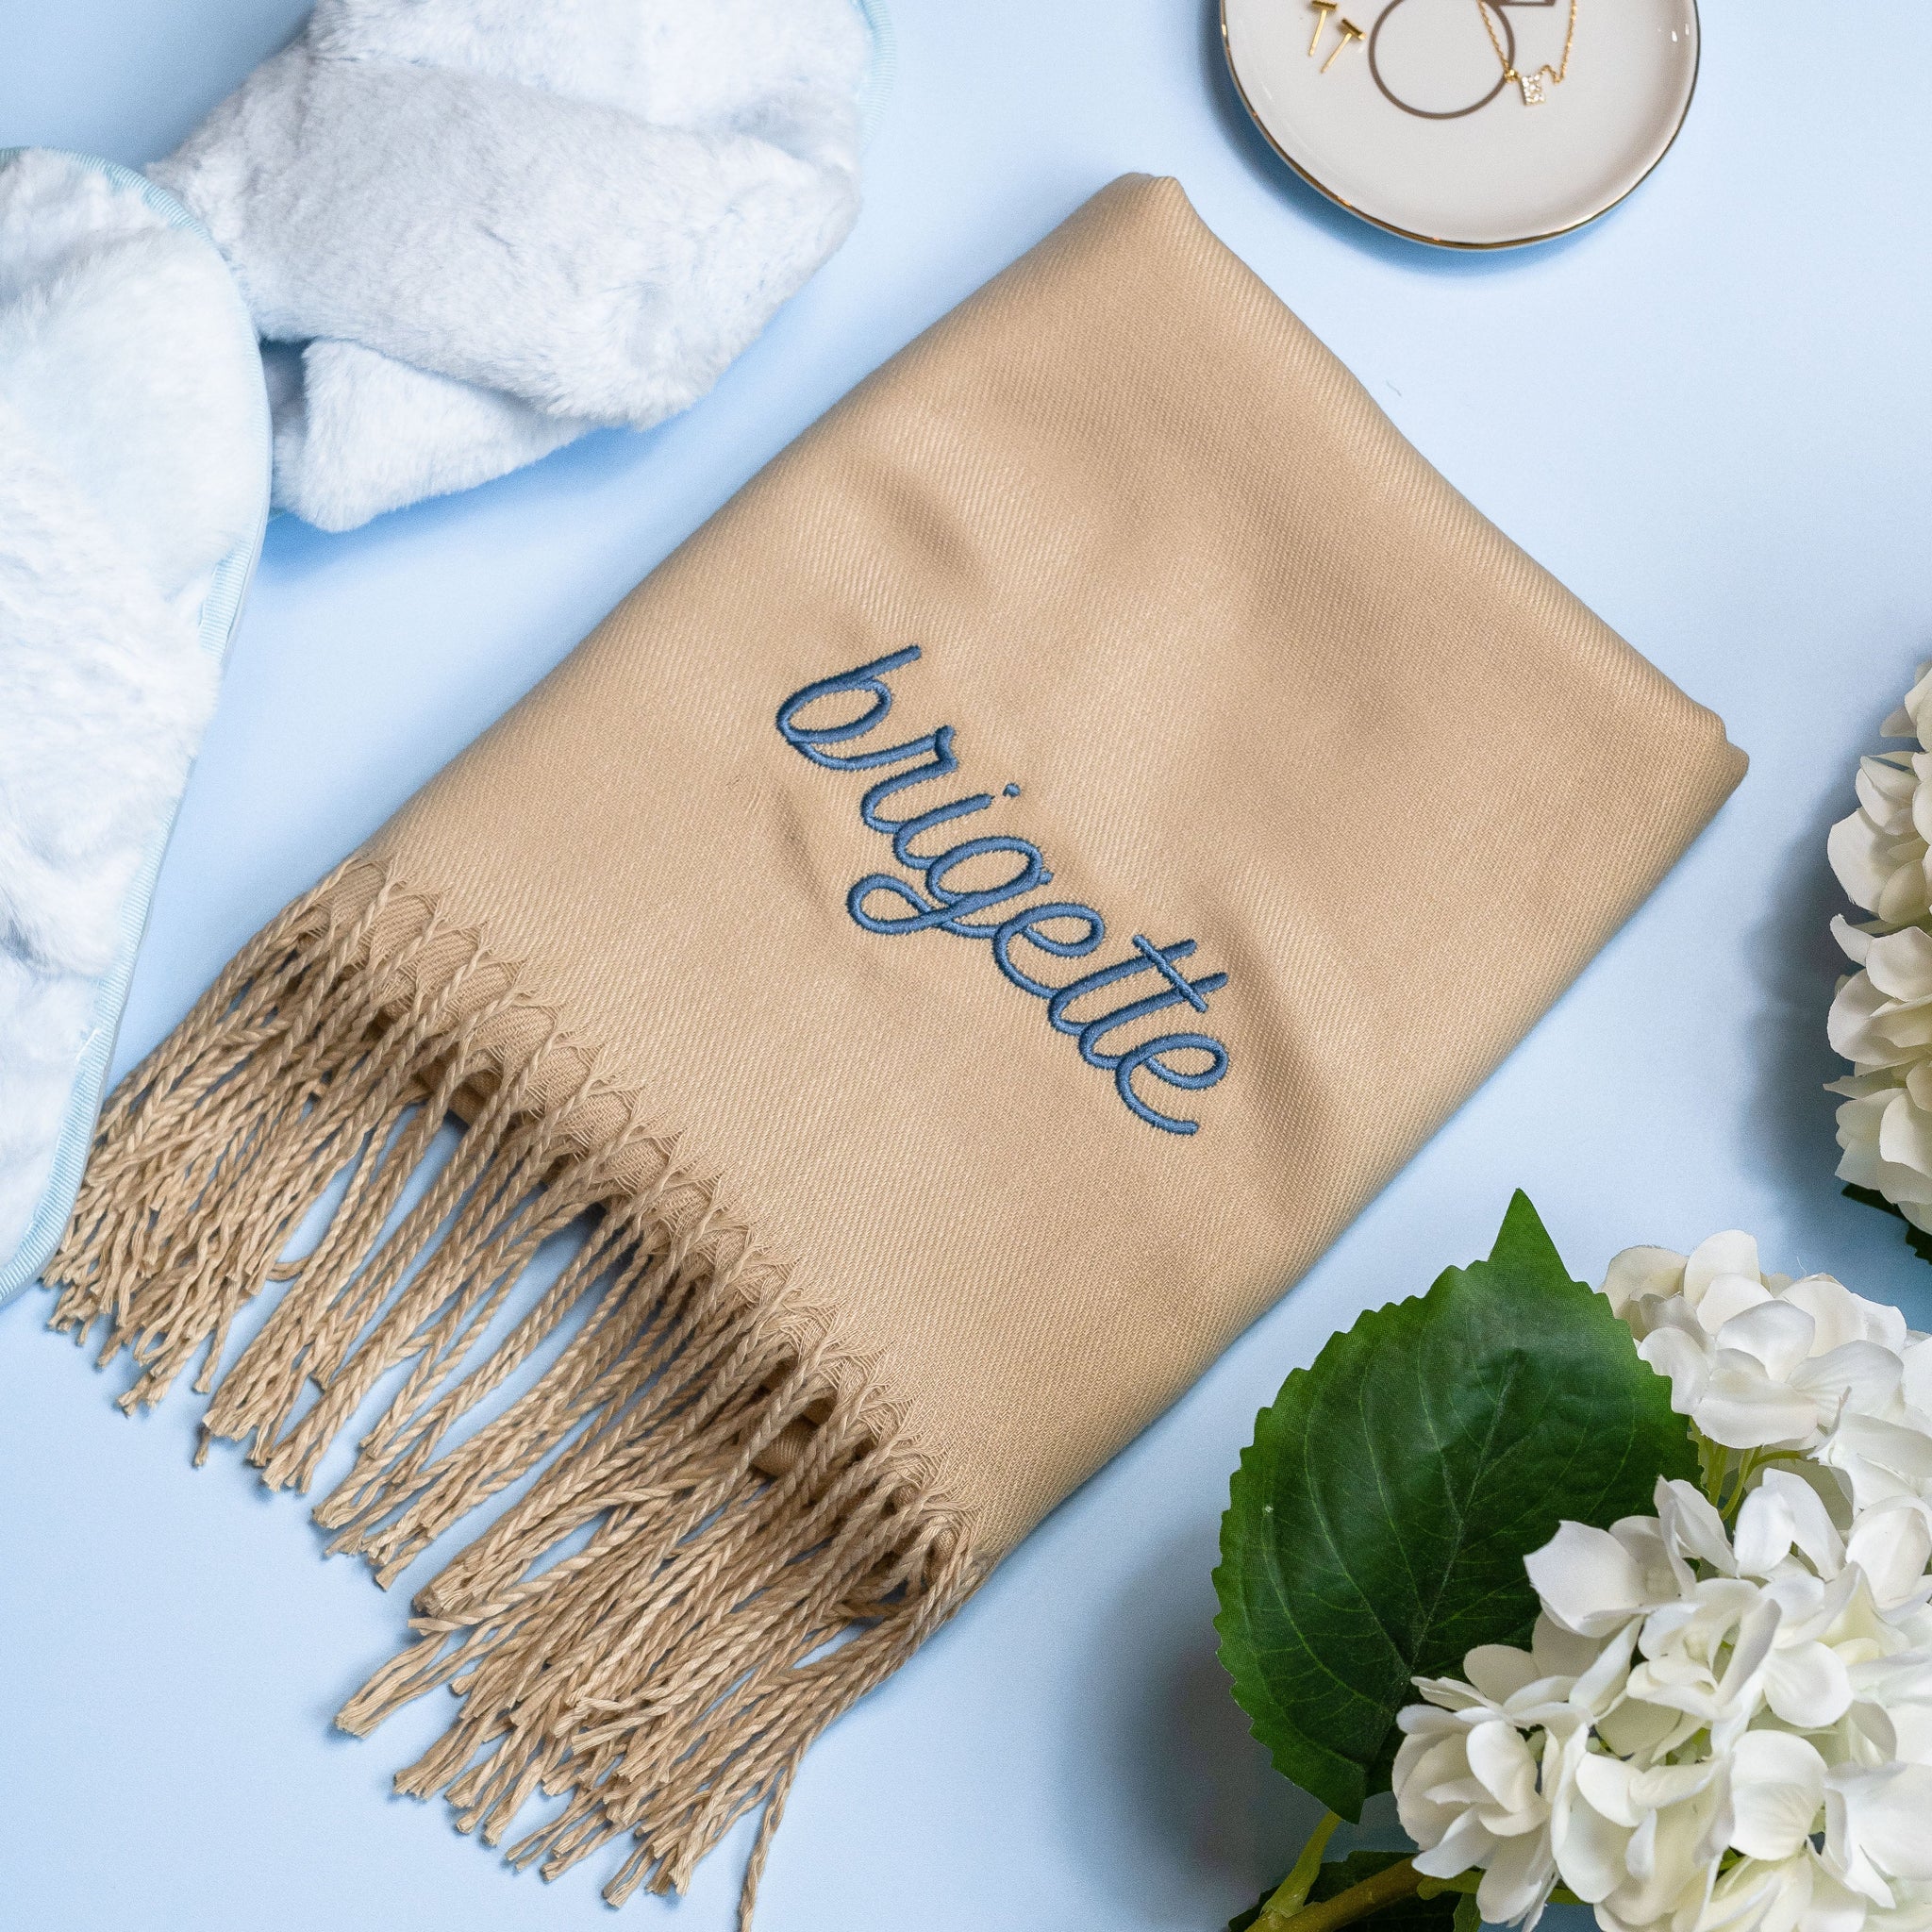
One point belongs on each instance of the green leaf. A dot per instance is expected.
(1376, 1528)
(1436, 1914)
(1916, 1238)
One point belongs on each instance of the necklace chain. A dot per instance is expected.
(1532, 83)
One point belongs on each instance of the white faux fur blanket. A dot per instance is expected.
(472, 229)
(133, 487)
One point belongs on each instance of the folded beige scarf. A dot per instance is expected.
(974, 924)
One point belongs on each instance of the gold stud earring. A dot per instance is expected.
(1323, 8)
(1349, 32)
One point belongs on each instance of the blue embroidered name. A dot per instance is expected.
(958, 898)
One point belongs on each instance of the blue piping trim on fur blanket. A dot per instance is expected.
(220, 614)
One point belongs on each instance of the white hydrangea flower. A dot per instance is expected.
(1642, 1842)
(1879, 1018)
(1718, 1727)
(1762, 1362)
(1727, 1630)
(1879, 852)
(1480, 1759)
(1881, 1021)
(1714, 1731)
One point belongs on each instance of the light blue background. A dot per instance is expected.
(1709, 414)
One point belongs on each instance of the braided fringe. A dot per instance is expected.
(758, 1545)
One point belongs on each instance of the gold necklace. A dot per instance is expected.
(1531, 84)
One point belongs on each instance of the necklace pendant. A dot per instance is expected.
(1532, 85)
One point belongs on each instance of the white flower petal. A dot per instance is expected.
(1518, 1881)
(1915, 1384)
(1808, 1687)
(1854, 940)
(1906, 1452)
(1587, 1581)
(1778, 1334)
(1599, 1688)
(1892, 779)
(1854, 846)
(1905, 1134)
(1639, 1271)
(1665, 1572)
(1900, 964)
(1887, 1817)
(1908, 1189)
(1498, 1671)
(1464, 1845)
(1422, 1764)
(1892, 1545)
(1870, 1483)
(1853, 1024)
(1729, 1297)
(1547, 1706)
(1663, 1785)
(1832, 1307)
(1743, 1408)
(1634, 1728)
(1690, 1522)
(1903, 897)
(1683, 1362)
(1885, 793)
(1811, 1607)
(1757, 1896)
(1858, 1121)
(1743, 1670)
(1832, 1907)
(1449, 1694)
(1501, 1760)
(1558, 1652)
(1782, 1512)
(1883, 1323)
(1590, 1848)
(1911, 1733)
(1860, 1377)
(1667, 1849)
(1604, 1783)
(1731, 1252)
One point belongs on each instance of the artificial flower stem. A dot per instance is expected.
(1730, 1504)
(1385, 1888)
(1713, 1459)
(1291, 1894)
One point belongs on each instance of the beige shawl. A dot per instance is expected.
(967, 932)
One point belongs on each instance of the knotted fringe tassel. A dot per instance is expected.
(753, 1546)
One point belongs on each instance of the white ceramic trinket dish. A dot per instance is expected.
(1446, 121)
